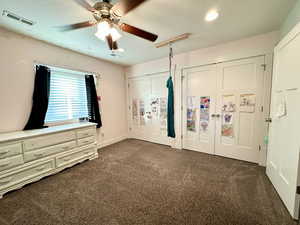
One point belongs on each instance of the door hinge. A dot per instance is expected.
(262, 109)
(129, 107)
(182, 77)
(181, 108)
(128, 85)
(259, 148)
(264, 66)
(181, 136)
(130, 128)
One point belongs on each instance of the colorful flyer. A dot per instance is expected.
(191, 113)
(227, 125)
(204, 113)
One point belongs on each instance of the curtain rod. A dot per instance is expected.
(37, 63)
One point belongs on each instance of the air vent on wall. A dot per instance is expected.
(18, 18)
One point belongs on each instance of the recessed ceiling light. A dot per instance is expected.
(211, 15)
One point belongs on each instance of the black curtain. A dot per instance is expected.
(40, 98)
(92, 99)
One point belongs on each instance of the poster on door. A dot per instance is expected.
(191, 113)
(228, 103)
(204, 113)
(135, 116)
(142, 112)
(154, 104)
(227, 125)
(228, 109)
(247, 103)
(163, 113)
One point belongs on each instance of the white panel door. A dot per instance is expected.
(148, 108)
(139, 93)
(284, 134)
(199, 101)
(239, 117)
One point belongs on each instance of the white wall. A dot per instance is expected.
(248, 47)
(17, 56)
(292, 19)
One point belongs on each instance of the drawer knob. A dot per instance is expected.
(66, 148)
(39, 155)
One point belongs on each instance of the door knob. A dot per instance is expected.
(218, 115)
(268, 120)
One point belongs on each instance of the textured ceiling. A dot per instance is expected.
(238, 19)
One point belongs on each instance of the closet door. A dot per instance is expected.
(239, 118)
(148, 108)
(139, 93)
(199, 102)
(158, 109)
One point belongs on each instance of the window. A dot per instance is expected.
(68, 98)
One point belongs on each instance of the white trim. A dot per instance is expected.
(66, 69)
(111, 141)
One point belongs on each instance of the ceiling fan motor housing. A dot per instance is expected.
(102, 10)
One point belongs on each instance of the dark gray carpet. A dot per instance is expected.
(135, 182)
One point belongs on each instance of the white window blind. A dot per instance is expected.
(68, 98)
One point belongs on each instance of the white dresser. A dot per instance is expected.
(27, 156)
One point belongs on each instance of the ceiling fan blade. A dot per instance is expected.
(138, 32)
(109, 41)
(85, 4)
(115, 45)
(125, 6)
(76, 26)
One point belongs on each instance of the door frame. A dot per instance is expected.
(266, 100)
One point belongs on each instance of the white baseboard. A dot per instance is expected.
(111, 141)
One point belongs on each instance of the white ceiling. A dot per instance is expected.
(238, 19)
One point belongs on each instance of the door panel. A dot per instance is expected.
(199, 101)
(239, 102)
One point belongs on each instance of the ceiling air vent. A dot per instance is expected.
(18, 18)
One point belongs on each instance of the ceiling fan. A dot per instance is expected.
(107, 18)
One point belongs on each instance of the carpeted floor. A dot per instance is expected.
(136, 182)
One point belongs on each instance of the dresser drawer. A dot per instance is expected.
(86, 141)
(66, 159)
(40, 153)
(11, 162)
(26, 174)
(47, 140)
(86, 132)
(10, 149)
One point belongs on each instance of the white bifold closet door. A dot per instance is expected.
(222, 108)
(148, 108)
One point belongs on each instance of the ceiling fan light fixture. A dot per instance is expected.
(115, 34)
(103, 27)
